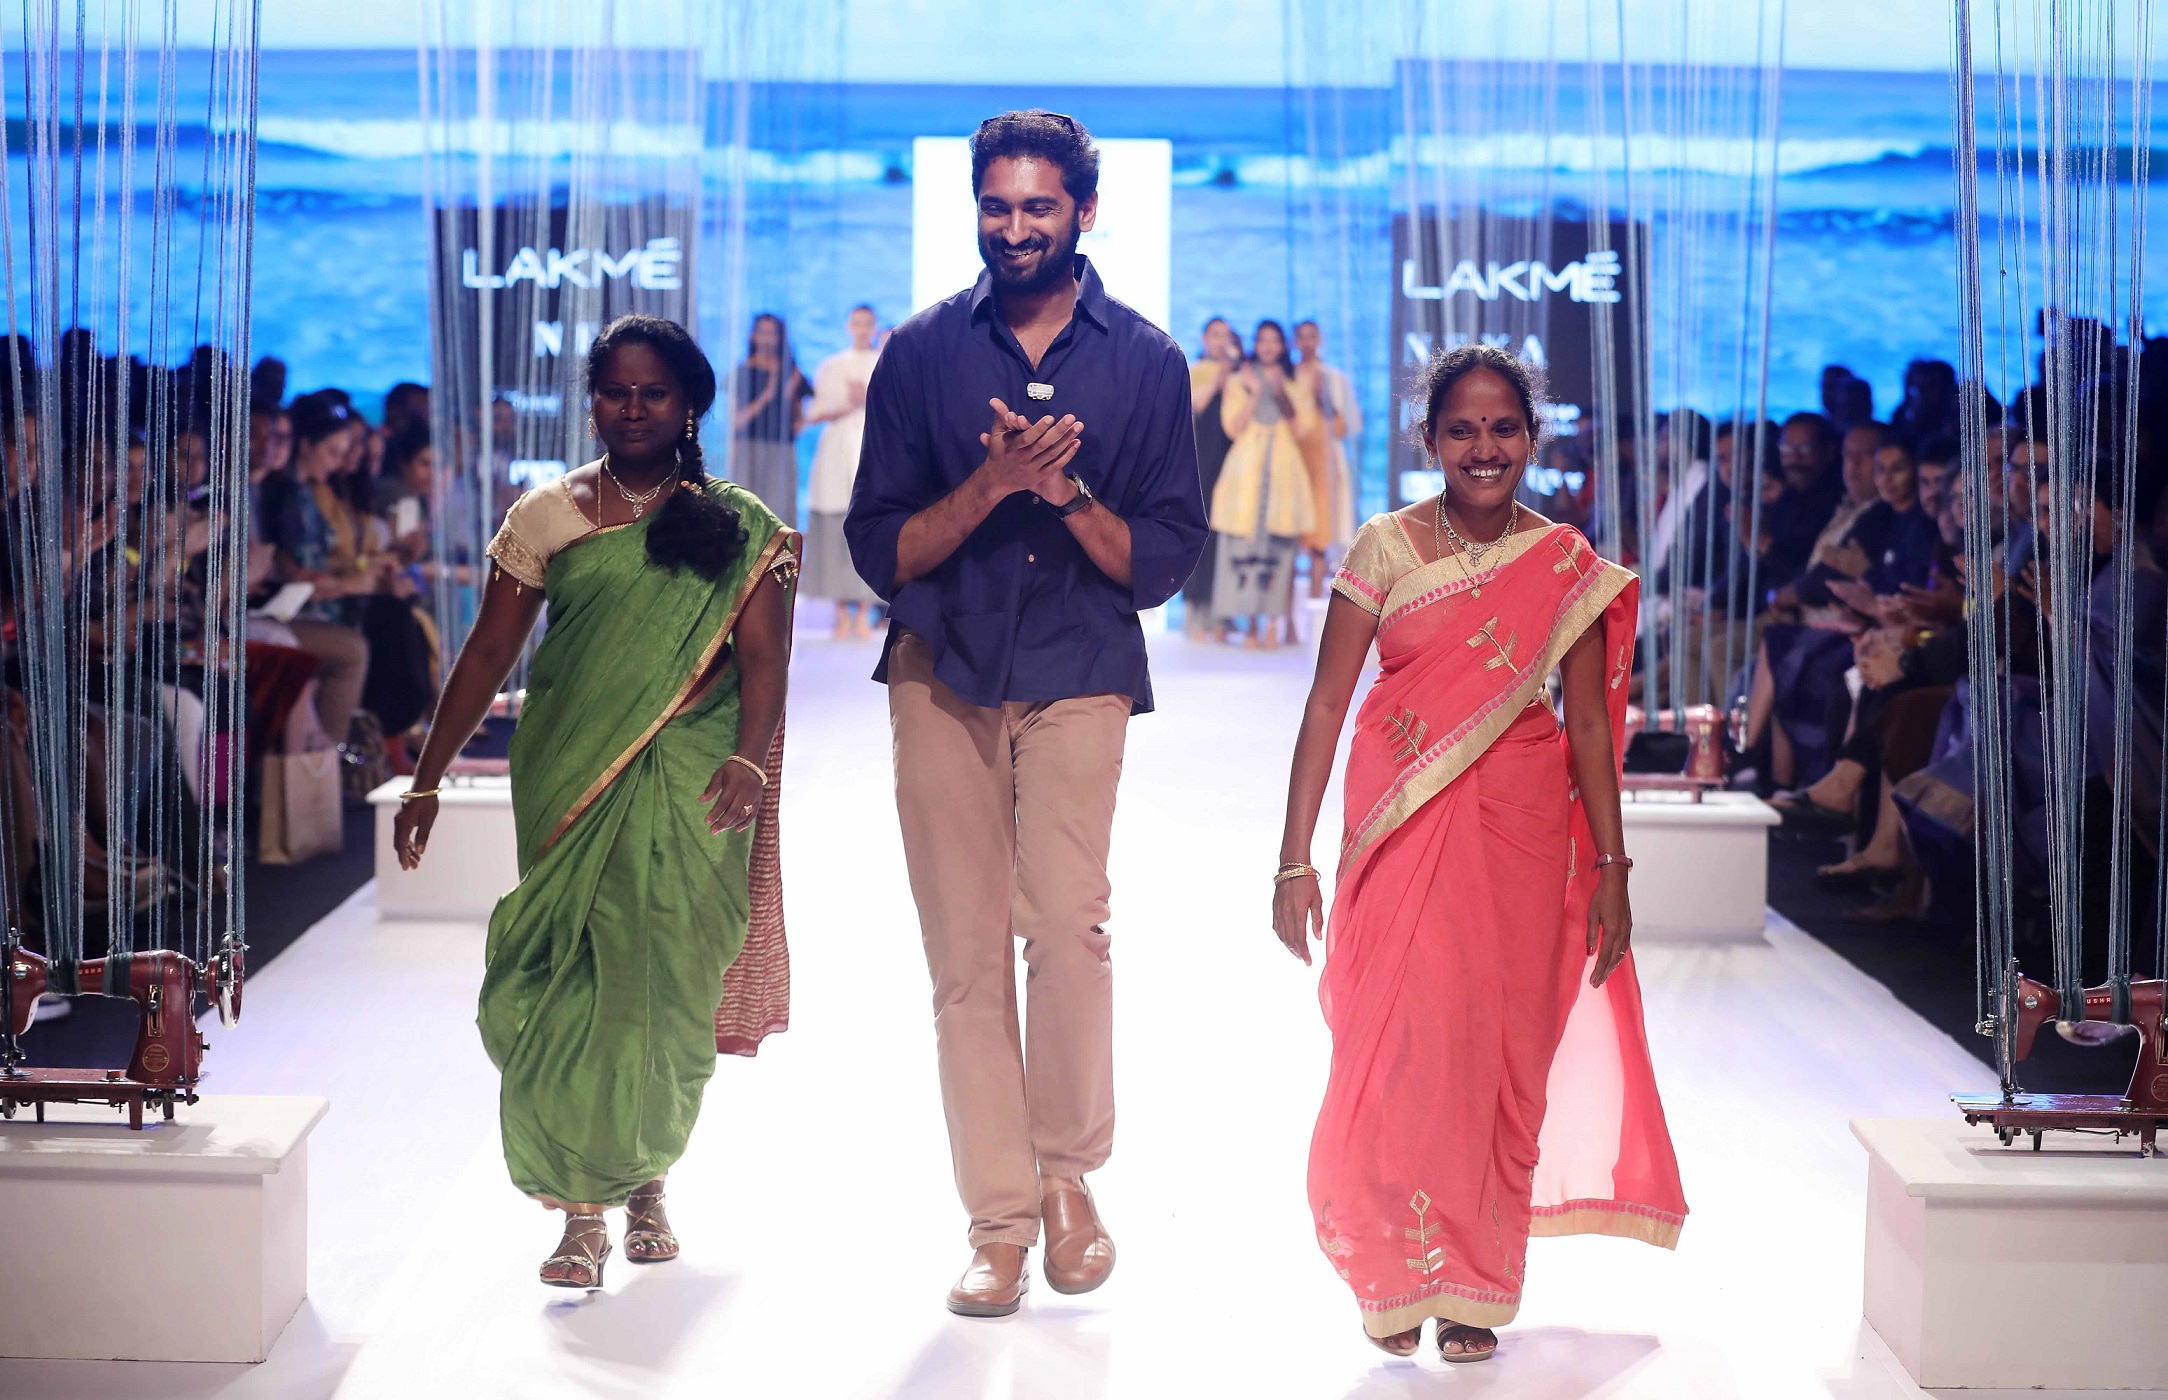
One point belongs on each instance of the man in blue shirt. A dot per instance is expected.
(1015, 553)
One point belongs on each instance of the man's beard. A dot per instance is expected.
(1053, 268)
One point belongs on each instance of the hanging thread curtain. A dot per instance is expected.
(562, 177)
(1515, 145)
(2053, 122)
(126, 234)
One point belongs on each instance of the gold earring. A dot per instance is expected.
(691, 429)
(591, 425)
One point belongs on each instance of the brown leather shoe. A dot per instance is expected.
(994, 1285)
(1079, 1255)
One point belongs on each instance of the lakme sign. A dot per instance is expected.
(1533, 287)
(1593, 278)
(655, 266)
(538, 298)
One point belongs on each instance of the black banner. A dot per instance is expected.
(1532, 287)
(546, 295)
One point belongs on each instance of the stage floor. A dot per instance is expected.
(820, 1224)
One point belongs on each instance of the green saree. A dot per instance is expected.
(606, 963)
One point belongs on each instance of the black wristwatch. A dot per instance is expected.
(1081, 499)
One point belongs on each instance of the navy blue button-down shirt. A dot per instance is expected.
(1019, 611)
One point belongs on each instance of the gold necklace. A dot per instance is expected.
(638, 500)
(1468, 550)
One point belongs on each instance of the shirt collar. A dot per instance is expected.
(1091, 295)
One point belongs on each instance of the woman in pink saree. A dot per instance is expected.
(1490, 1077)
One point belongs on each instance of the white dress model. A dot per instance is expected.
(828, 570)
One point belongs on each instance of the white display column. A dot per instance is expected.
(1993, 1266)
(1701, 869)
(473, 856)
(187, 1241)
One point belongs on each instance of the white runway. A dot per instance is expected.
(820, 1225)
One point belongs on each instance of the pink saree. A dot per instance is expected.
(1480, 1090)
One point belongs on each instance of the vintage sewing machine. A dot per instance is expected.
(2141, 1110)
(168, 1057)
(1683, 751)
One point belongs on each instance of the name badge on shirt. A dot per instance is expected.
(1040, 392)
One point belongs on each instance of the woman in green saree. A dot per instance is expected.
(645, 774)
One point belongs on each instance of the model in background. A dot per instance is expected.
(648, 744)
(1263, 506)
(1331, 481)
(1482, 893)
(1207, 386)
(1015, 566)
(768, 396)
(839, 403)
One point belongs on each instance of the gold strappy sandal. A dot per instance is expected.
(648, 1239)
(580, 1266)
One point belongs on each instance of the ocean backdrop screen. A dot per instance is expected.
(1865, 270)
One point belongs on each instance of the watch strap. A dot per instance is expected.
(1081, 499)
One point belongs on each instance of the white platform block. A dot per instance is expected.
(473, 855)
(1701, 869)
(188, 1241)
(1993, 1266)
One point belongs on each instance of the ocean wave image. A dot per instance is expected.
(1865, 251)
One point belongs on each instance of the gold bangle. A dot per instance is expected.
(418, 796)
(757, 771)
(1294, 870)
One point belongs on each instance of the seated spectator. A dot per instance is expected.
(1936, 803)
(1930, 405)
(1939, 465)
(1890, 551)
(1842, 549)
(406, 410)
(404, 491)
(1809, 457)
(310, 550)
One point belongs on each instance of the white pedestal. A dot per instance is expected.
(1997, 1266)
(188, 1241)
(473, 856)
(1701, 869)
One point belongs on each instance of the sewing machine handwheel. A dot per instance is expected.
(229, 969)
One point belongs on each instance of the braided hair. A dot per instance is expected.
(692, 530)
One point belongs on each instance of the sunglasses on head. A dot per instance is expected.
(1064, 118)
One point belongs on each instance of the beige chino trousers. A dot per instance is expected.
(1007, 814)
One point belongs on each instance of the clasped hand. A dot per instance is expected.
(1026, 456)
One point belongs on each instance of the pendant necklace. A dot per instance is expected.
(638, 500)
(1468, 551)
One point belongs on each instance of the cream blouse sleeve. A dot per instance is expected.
(1372, 566)
(538, 525)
